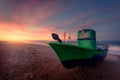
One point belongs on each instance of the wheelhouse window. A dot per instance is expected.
(83, 35)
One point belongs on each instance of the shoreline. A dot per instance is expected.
(19, 61)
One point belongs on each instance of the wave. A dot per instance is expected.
(114, 50)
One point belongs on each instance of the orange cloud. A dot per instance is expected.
(13, 31)
(25, 21)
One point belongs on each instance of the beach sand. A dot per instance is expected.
(19, 61)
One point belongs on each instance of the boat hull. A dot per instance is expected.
(83, 62)
(72, 55)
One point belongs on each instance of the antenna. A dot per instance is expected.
(84, 25)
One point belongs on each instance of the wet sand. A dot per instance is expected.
(19, 61)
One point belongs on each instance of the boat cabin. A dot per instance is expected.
(87, 38)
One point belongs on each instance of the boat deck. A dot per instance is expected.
(102, 47)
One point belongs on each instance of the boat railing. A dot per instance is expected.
(102, 46)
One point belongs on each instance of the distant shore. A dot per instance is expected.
(20, 61)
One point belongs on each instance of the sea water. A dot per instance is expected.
(114, 46)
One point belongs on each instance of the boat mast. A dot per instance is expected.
(64, 36)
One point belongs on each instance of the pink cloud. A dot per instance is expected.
(49, 29)
(103, 20)
(45, 11)
(92, 23)
(31, 13)
(34, 13)
(74, 20)
(1, 16)
(77, 18)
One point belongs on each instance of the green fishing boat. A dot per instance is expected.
(85, 52)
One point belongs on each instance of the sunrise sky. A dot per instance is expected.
(37, 19)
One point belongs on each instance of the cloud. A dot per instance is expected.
(90, 14)
(14, 30)
(103, 21)
(0, 17)
(29, 11)
(78, 18)
(36, 19)
(33, 12)
(111, 8)
(92, 22)
(26, 14)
